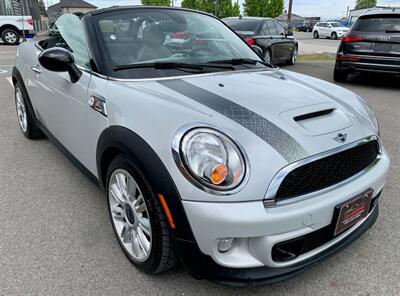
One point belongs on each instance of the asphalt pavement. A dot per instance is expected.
(308, 45)
(56, 238)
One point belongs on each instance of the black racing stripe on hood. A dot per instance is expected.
(282, 142)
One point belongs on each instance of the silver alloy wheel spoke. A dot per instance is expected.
(129, 215)
(21, 111)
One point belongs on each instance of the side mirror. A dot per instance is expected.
(258, 50)
(58, 59)
(289, 33)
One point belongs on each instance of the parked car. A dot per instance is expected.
(211, 157)
(13, 27)
(333, 30)
(278, 45)
(372, 45)
(305, 27)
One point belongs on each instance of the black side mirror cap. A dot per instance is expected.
(59, 59)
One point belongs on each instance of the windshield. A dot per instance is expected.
(146, 36)
(379, 24)
(336, 25)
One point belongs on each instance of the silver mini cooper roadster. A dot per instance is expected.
(209, 156)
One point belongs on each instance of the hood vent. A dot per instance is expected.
(313, 115)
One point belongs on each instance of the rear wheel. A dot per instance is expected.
(334, 36)
(340, 76)
(138, 218)
(25, 118)
(10, 37)
(316, 35)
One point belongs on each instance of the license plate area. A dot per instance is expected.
(352, 211)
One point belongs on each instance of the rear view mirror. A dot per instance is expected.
(58, 59)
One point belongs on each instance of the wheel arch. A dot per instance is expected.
(117, 140)
(9, 26)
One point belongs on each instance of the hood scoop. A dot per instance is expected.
(318, 119)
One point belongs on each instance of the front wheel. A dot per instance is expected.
(138, 218)
(25, 117)
(293, 57)
(316, 35)
(334, 36)
(268, 56)
(10, 37)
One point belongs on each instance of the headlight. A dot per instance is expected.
(212, 159)
(370, 113)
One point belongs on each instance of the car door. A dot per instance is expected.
(286, 42)
(61, 105)
(275, 39)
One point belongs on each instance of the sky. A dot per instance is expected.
(324, 8)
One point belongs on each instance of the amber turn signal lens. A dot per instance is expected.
(218, 174)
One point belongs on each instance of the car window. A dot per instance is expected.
(147, 36)
(279, 29)
(68, 32)
(244, 25)
(264, 30)
(271, 28)
(386, 24)
(336, 25)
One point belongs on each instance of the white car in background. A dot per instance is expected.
(13, 27)
(333, 30)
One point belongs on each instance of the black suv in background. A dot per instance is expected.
(277, 44)
(372, 45)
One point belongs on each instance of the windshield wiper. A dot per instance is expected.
(241, 61)
(171, 65)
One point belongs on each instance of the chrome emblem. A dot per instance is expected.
(341, 138)
(384, 38)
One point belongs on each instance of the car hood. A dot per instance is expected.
(295, 114)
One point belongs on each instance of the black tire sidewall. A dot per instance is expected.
(4, 34)
(316, 35)
(29, 120)
(334, 36)
(129, 164)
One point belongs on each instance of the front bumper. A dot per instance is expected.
(257, 230)
(359, 63)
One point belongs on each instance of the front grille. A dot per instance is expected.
(328, 171)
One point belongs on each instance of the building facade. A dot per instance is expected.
(68, 6)
(356, 13)
(25, 7)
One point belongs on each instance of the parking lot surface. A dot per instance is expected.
(307, 44)
(56, 238)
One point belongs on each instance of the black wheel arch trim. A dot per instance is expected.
(118, 139)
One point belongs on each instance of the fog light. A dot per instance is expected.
(225, 244)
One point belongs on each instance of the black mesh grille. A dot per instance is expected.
(328, 171)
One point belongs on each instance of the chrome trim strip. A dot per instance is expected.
(269, 200)
(371, 57)
(175, 148)
(371, 64)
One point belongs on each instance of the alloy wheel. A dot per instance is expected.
(267, 56)
(130, 215)
(10, 37)
(294, 56)
(21, 110)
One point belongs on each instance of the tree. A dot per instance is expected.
(42, 8)
(264, 8)
(192, 4)
(365, 4)
(157, 2)
(236, 9)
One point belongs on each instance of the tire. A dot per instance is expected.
(148, 244)
(268, 56)
(340, 76)
(293, 57)
(316, 35)
(26, 120)
(334, 36)
(10, 37)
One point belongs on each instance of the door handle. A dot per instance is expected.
(36, 70)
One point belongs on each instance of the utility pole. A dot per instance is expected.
(289, 16)
(21, 8)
